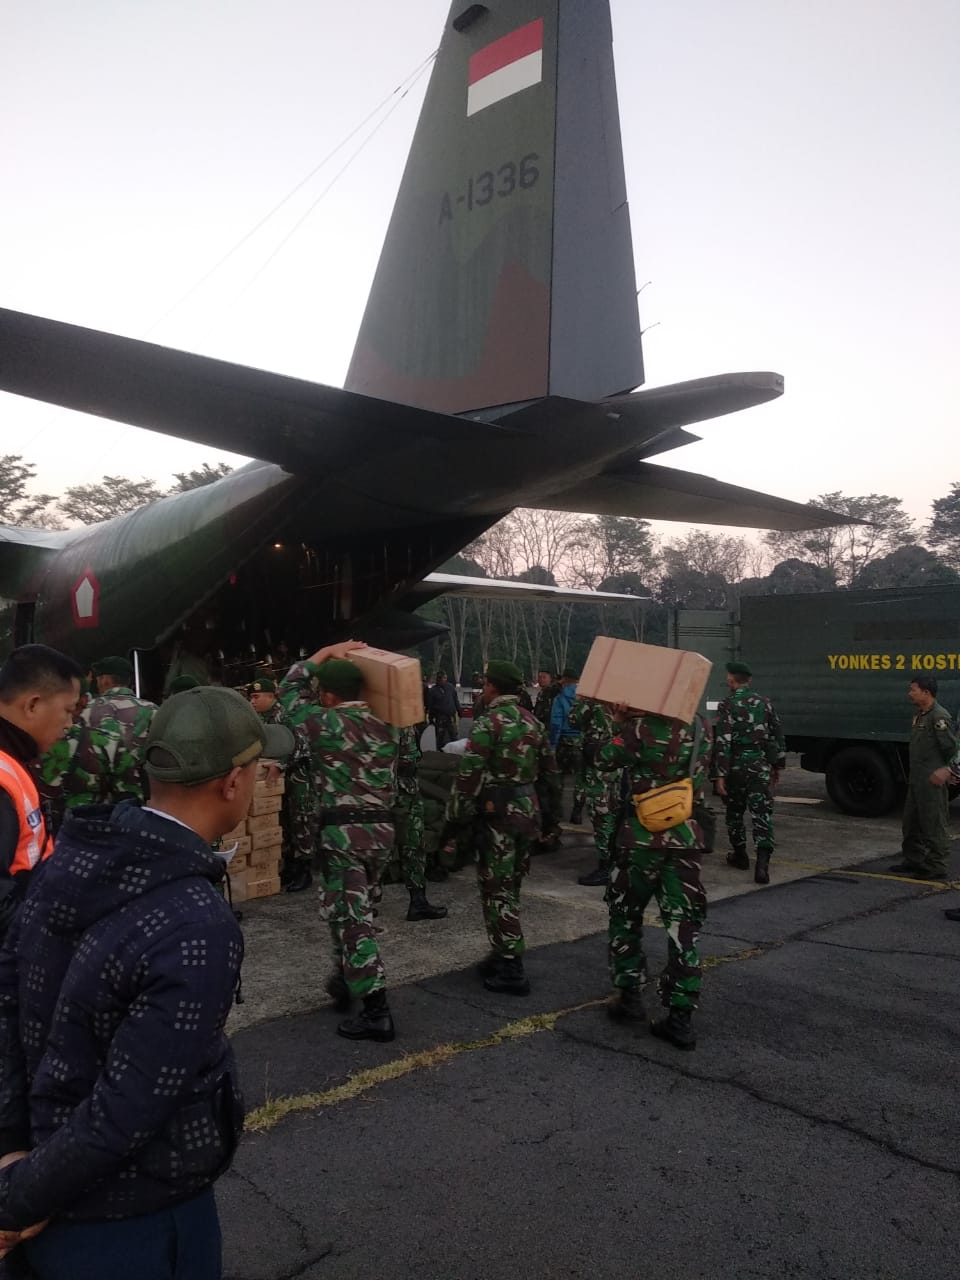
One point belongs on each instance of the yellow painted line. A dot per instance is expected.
(939, 885)
(267, 1116)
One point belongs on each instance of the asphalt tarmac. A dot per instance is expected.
(812, 1133)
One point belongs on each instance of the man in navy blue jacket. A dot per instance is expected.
(119, 1103)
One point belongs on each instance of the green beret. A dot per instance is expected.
(341, 677)
(570, 674)
(113, 667)
(264, 686)
(182, 684)
(739, 669)
(504, 673)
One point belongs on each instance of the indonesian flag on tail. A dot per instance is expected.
(500, 70)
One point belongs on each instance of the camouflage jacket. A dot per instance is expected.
(298, 765)
(594, 721)
(353, 759)
(89, 766)
(933, 742)
(507, 751)
(748, 734)
(654, 751)
(408, 784)
(120, 710)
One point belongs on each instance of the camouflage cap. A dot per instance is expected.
(341, 677)
(182, 683)
(113, 667)
(263, 686)
(739, 669)
(503, 673)
(205, 732)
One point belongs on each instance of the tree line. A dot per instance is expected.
(86, 503)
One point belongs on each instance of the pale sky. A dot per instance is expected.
(792, 171)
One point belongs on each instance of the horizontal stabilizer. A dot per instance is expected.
(652, 492)
(452, 584)
(295, 424)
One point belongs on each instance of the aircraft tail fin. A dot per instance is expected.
(507, 272)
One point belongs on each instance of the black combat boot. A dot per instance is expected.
(373, 1022)
(627, 1005)
(576, 814)
(739, 858)
(761, 873)
(300, 878)
(597, 877)
(338, 991)
(676, 1028)
(489, 965)
(421, 909)
(508, 977)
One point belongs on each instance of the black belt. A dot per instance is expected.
(348, 817)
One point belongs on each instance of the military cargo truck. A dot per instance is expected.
(837, 665)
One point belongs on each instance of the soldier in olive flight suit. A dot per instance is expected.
(933, 743)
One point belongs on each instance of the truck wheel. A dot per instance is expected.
(860, 781)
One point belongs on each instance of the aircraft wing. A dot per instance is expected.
(298, 425)
(662, 493)
(452, 584)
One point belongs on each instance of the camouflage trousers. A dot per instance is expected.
(349, 888)
(410, 839)
(298, 818)
(603, 805)
(503, 859)
(570, 760)
(446, 730)
(672, 876)
(750, 790)
(926, 835)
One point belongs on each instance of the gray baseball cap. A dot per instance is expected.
(203, 733)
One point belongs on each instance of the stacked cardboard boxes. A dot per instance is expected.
(255, 867)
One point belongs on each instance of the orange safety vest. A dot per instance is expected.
(22, 790)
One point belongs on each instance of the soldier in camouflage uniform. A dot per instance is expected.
(933, 743)
(494, 790)
(748, 758)
(601, 788)
(354, 762)
(88, 766)
(547, 690)
(410, 833)
(298, 812)
(655, 751)
(116, 709)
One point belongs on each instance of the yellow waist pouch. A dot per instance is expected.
(665, 807)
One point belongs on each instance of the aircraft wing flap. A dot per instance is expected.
(652, 492)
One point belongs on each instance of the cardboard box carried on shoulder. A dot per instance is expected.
(647, 677)
(392, 686)
(266, 785)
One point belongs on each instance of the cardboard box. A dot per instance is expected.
(242, 850)
(264, 861)
(647, 677)
(254, 885)
(266, 786)
(392, 685)
(270, 803)
(262, 822)
(267, 838)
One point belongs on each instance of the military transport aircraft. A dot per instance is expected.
(493, 369)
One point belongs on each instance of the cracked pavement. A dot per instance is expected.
(811, 1133)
